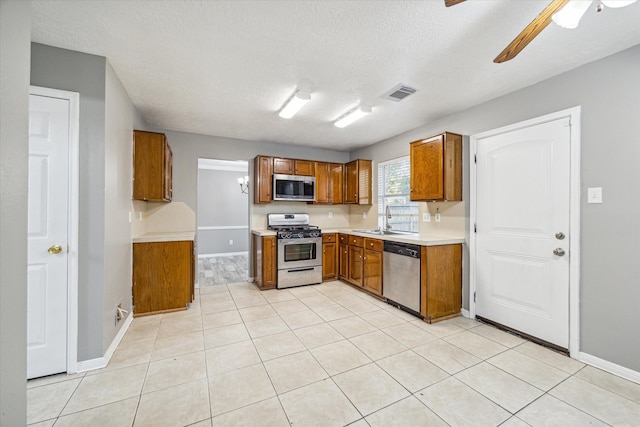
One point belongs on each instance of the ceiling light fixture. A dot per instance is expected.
(353, 115)
(294, 104)
(570, 15)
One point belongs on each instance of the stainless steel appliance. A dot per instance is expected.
(299, 250)
(401, 276)
(294, 188)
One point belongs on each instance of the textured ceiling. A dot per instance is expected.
(226, 67)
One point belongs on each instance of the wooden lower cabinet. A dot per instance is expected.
(343, 257)
(441, 282)
(372, 266)
(163, 276)
(265, 261)
(329, 256)
(355, 265)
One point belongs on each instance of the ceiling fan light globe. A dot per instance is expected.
(570, 15)
(617, 3)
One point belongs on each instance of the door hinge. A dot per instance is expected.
(474, 297)
(475, 158)
(475, 228)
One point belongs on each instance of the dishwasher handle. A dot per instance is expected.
(404, 249)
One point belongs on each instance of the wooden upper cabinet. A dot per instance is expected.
(262, 172)
(152, 167)
(293, 166)
(322, 182)
(436, 168)
(335, 183)
(283, 166)
(357, 182)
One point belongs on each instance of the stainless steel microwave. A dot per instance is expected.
(294, 188)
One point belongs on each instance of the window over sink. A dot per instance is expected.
(393, 193)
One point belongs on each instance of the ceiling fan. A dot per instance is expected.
(567, 17)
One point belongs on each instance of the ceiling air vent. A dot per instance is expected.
(398, 93)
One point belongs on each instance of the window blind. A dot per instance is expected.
(393, 191)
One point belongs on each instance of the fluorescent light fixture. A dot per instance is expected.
(352, 116)
(294, 104)
(617, 3)
(570, 15)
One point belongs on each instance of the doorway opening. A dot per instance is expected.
(223, 221)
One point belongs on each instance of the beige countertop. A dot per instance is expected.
(175, 236)
(416, 239)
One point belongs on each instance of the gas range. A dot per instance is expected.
(299, 250)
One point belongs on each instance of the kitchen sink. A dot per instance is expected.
(380, 232)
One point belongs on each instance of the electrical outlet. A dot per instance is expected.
(130, 217)
(426, 217)
(437, 217)
(364, 215)
(230, 242)
(594, 195)
(330, 214)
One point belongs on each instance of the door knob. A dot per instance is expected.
(558, 251)
(560, 235)
(55, 249)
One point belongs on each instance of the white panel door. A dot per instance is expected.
(522, 260)
(47, 236)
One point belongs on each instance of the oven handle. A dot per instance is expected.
(300, 269)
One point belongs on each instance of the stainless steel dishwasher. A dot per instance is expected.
(401, 276)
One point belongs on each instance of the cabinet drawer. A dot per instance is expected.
(329, 238)
(373, 244)
(356, 241)
(344, 239)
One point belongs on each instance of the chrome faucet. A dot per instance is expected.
(388, 215)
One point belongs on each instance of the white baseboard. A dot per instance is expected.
(222, 254)
(465, 313)
(610, 367)
(101, 362)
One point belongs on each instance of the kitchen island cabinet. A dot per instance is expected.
(163, 276)
(436, 168)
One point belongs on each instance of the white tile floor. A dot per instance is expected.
(327, 355)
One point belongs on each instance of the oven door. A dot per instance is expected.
(295, 253)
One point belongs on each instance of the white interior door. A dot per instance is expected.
(522, 238)
(47, 235)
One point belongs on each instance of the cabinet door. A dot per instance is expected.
(162, 276)
(168, 172)
(436, 168)
(269, 261)
(322, 182)
(426, 175)
(441, 272)
(335, 183)
(343, 261)
(351, 182)
(262, 171)
(303, 167)
(355, 265)
(151, 157)
(329, 261)
(372, 275)
(284, 166)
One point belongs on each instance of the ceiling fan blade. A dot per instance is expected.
(449, 3)
(530, 32)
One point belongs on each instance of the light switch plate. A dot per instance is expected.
(426, 217)
(594, 195)
(330, 214)
(437, 217)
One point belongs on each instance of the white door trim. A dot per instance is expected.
(73, 218)
(574, 221)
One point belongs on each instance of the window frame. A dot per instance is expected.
(382, 196)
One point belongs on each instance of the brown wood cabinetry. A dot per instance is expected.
(328, 183)
(152, 167)
(357, 182)
(441, 282)
(343, 257)
(265, 261)
(163, 276)
(262, 172)
(436, 168)
(293, 166)
(355, 265)
(329, 256)
(372, 266)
